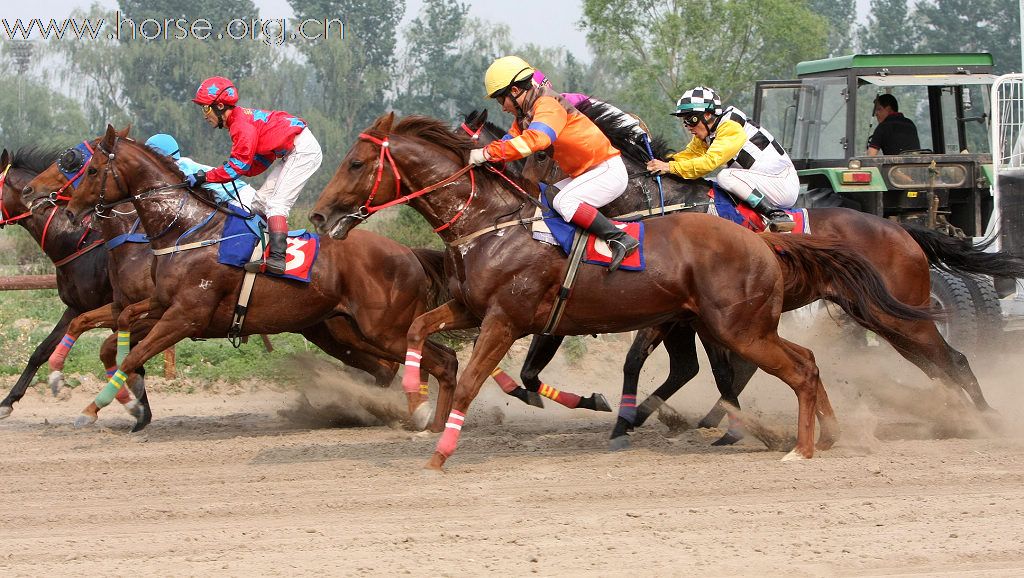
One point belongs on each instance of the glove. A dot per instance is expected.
(477, 157)
(197, 179)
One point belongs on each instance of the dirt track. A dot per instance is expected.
(221, 483)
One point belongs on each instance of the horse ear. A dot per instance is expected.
(5, 158)
(483, 117)
(124, 133)
(107, 141)
(385, 121)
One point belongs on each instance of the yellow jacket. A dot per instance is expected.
(698, 159)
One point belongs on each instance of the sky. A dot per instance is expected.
(557, 26)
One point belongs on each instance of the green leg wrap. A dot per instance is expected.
(124, 344)
(110, 390)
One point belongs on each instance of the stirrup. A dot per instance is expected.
(781, 225)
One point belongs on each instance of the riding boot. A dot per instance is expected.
(779, 221)
(620, 243)
(278, 252)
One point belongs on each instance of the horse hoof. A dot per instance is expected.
(421, 416)
(56, 382)
(793, 455)
(141, 423)
(619, 444)
(533, 398)
(5, 410)
(601, 403)
(728, 439)
(84, 420)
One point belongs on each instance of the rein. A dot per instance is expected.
(385, 155)
(6, 220)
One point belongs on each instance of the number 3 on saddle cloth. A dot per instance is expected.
(242, 232)
(725, 206)
(597, 252)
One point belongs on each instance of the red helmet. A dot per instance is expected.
(216, 89)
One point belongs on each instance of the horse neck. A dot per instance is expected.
(116, 224)
(58, 239)
(166, 215)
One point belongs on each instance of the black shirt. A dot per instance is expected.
(894, 135)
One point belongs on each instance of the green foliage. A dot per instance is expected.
(657, 49)
(890, 29)
(840, 17)
(33, 113)
(971, 26)
(574, 348)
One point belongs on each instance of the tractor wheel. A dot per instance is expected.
(989, 311)
(958, 318)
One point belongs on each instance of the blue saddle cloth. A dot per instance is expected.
(241, 233)
(564, 232)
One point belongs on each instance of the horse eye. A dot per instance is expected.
(27, 190)
(356, 164)
(542, 156)
(91, 171)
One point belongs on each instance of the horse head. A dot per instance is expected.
(388, 165)
(110, 174)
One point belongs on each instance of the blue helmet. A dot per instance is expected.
(165, 145)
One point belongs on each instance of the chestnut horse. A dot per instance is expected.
(897, 252)
(725, 280)
(362, 295)
(130, 260)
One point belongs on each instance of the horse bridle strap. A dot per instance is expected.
(385, 155)
(3, 210)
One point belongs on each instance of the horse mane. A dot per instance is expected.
(435, 131)
(35, 159)
(609, 121)
(163, 160)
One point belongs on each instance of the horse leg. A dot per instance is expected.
(496, 337)
(100, 317)
(644, 343)
(35, 361)
(542, 351)
(732, 374)
(682, 367)
(441, 362)
(328, 341)
(168, 330)
(451, 315)
(827, 421)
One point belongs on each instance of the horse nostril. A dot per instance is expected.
(26, 191)
(317, 219)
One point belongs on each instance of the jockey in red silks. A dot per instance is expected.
(542, 117)
(259, 137)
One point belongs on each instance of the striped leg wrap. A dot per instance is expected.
(61, 353)
(504, 380)
(425, 390)
(111, 371)
(124, 344)
(411, 377)
(569, 400)
(627, 409)
(110, 390)
(450, 438)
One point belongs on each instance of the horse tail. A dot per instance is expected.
(960, 256)
(824, 267)
(432, 262)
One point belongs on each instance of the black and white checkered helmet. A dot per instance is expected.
(699, 99)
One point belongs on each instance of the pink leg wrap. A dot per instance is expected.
(61, 353)
(450, 438)
(569, 400)
(123, 395)
(411, 376)
(504, 380)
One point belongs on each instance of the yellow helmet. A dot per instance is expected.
(505, 72)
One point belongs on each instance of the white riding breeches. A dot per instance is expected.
(597, 187)
(779, 191)
(287, 178)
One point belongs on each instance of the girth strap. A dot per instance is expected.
(242, 307)
(579, 246)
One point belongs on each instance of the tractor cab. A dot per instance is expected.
(825, 117)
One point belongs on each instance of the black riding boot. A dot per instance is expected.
(275, 257)
(618, 241)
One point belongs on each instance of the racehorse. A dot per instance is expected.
(130, 260)
(362, 294)
(724, 279)
(901, 254)
(76, 251)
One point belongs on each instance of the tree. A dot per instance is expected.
(839, 14)
(656, 49)
(890, 29)
(972, 26)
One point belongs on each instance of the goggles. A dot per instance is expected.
(692, 118)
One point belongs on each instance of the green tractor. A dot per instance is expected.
(824, 119)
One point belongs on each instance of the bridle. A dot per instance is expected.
(385, 156)
(102, 206)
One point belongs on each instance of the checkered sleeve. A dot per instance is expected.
(697, 161)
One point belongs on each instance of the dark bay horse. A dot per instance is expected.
(363, 293)
(75, 249)
(902, 256)
(130, 274)
(725, 280)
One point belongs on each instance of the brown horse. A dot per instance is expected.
(725, 280)
(77, 252)
(362, 295)
(895, 251)
(129, 270)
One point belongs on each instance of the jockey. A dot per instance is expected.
(597, 173)
(258, 138)
(758, 171)
(236, 191)
(583, 102)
